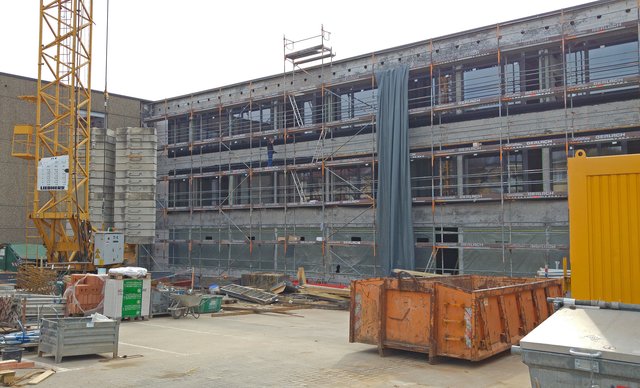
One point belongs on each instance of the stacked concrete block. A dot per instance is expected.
(102, 177)
(135, 184)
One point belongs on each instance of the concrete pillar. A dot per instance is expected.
(275, 187)
(459, 85)
(546, 169)
(460, 174)
(232, 186)
(460, 252)
(328, 189)
(191, 128)
(215, 193)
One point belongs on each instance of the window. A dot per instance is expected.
(353, 102)
(482, 174)
(178, 130)
(613, 61)
(512, 77)
(351, 183)
(558, 170)
(481, 82)
(445, 91)
(419, 90)
(179, 193)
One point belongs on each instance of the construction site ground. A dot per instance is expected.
(307, 347)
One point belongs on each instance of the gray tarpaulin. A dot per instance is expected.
(394, 222)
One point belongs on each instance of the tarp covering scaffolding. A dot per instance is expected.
(395, 225)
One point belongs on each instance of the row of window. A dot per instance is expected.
(482, 174)
(527, 71)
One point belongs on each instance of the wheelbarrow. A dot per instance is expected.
(185, 304)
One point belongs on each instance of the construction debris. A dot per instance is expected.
(271, 309)
(262, 280)
(250, 294)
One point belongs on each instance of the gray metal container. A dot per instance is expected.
(78, 336)
(582, 347)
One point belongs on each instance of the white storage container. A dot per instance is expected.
(127, 297)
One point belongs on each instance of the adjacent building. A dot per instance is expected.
(122, 111)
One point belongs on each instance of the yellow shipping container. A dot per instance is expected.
(604, 222)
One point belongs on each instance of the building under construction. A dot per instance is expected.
(493, 114)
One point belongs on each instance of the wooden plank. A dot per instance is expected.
(27, 376)
(344, 292)
(17, 365)
(44, 375)
(302, 278)
(419, 273)
(8, 377)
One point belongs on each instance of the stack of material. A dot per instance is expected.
(135, 185)
(102, 177)
(32, 307)
(8, 311)
(85, 293)
(334, 298)
(262, 280)
(36, 280)
(29, 308)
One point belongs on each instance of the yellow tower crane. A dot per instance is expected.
(58, 146)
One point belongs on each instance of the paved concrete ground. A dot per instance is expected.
(272, 350)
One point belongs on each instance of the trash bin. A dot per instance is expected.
(210, 304)
(582, 347)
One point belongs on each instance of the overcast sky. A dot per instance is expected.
(163, 48)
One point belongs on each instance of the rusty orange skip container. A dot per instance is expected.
(470, 317)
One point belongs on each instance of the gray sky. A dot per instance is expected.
(163, 48)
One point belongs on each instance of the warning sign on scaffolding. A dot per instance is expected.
(53, 173)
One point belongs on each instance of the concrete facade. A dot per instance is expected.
(123, 112)
(494, 113)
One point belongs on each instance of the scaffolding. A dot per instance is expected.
(490, 129)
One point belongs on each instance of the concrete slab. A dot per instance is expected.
(309, 348)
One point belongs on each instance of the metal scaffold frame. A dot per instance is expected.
(325, 138)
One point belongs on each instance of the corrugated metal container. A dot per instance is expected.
(468, 316)
(604, 219)
(584, 347)
(78, 336)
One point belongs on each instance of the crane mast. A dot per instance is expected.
(58, 146)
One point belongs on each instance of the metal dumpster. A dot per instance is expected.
(467, 316)
(584, 347)
(78, 336)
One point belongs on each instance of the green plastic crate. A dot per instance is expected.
(210, 304)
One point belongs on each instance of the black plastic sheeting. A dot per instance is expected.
(393, 216)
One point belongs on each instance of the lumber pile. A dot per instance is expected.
(36, 280)
(336, 298)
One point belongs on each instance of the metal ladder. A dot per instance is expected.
(431, 263)
(298, 185)
(317, 153)
(296, 111)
